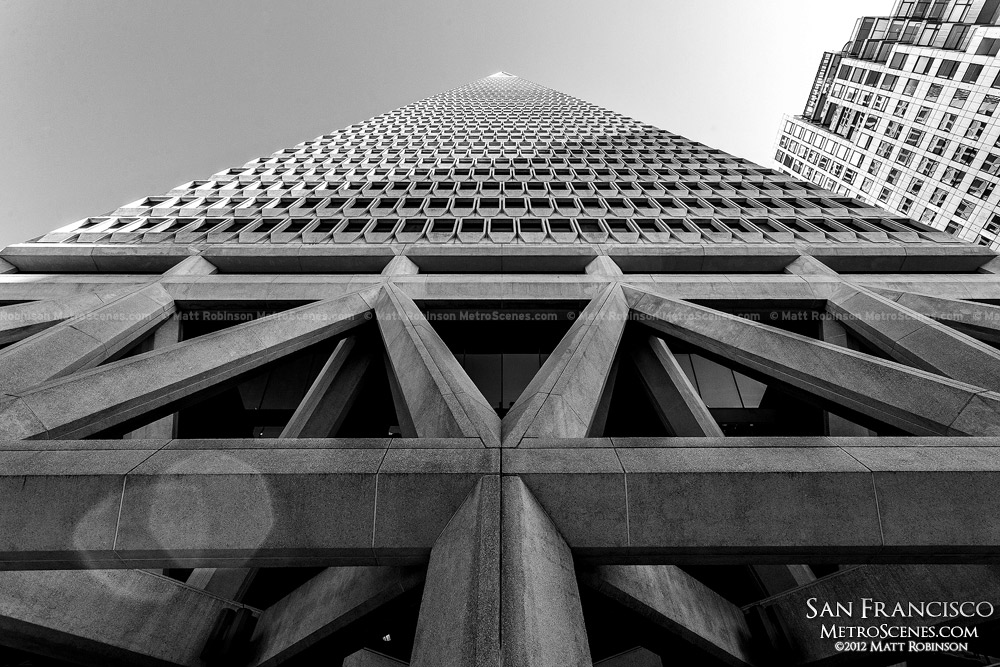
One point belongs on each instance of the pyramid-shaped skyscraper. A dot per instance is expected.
(498, 378)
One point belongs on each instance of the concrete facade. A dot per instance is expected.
(497, 378)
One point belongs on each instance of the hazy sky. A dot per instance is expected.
(105, 101)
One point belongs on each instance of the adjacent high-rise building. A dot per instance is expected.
(497, 378)
(905, 117)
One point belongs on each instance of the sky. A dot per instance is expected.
(106, 101)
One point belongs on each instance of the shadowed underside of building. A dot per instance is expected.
(499, 377)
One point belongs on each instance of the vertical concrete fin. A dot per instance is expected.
(564, 399)
(85, 340)
(459, 622)
(541, 611)
(675, 399)
(679, 604)
(332, 394)
(915, 401)
(439, 398)
(914, 339)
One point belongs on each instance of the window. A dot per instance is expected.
(981, 188)
(893, 129)
(975, 129)
(952, 228)
(914, 137)
(915, 185)
(972, 73)
(866, 184)
(991, 165)
(953, 177)
(874, 167)
(989, 105)
(947, 69)
(905, 157)
(880, 101)
(988, 47)
(911, 87)
(956, 38)
(964, 209)
(923, 113)
(864, 141)
(927, 166)
(996, 81)
(927, 217)
(893, 176)
(884, 195)
(959, 11)
(844, 73)
(964, 154)
(889, 82)
(838, 90)
(938, 196)
(884, 149)
(958, 101)
(898, 61)
(858, 75)
(938, 146)
(905, 205)
(873, 78)
(901, 108)
(947, 122)
(849, 176)
(923, 65)
(934, 92)
(871, 122)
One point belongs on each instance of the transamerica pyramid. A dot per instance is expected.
(497, 378)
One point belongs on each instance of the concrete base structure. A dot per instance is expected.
(498, 378)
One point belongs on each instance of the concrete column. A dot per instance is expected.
(193, 266)
(107, 616)
(541, 613)
(459, 622)
(807, 265)
(675, 399)
(231, 583)
(21, 320)
(604, 266)
(566, 399)
(915, 401)
(84, 341)
(329, 399)
(834, 332)
(914, 339)
(331, 604)
(400, 266)
(678, 604)
(167, 334)
(88, 403)
(436, 395)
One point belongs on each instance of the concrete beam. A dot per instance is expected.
(107, 617)
(679, 604)
(913, 400)
(113, 504)
(330, 604)
(400, 266)
(979, 320)
(437, 396)
(675, 399)
(915, 339)
(329, 399)
(564, 399)
(7, 267)
(806, 265)
(890, 584)
(84, 341)
(25, 319)
(89, 402)
(459, 621)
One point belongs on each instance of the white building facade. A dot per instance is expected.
(905, 117)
